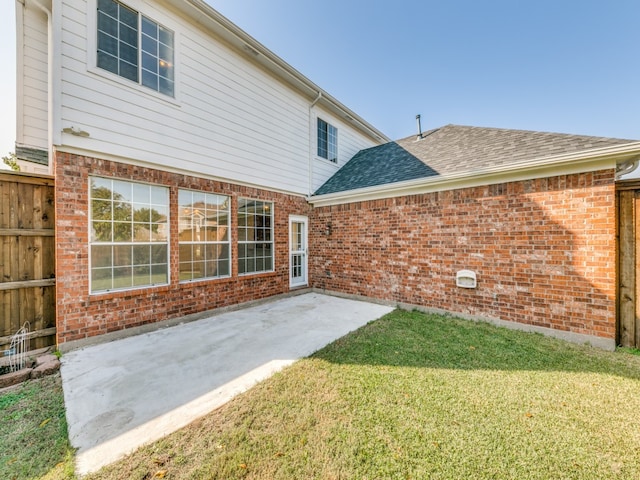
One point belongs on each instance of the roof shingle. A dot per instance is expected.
(454, 149)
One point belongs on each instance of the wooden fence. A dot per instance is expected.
(27, 258)
(628, 291)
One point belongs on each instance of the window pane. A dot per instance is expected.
(150, 80)
(122, 255)
(101, 210)
(101, 256)
(159, 253)
(150, 46)
(166, 36)
(166, 86)
(107, 44)
(122, 232)
(128, 71)
(107, 62)
(159, 274)
(141, 254)
(128, 17)
(142, 275)
(101, 279)
(101, 232)
(108, 6)
(149, 63)
(186, 253)
(129, 36)
(107, 24)
(141, 232)
(122, 277)
(149, 28)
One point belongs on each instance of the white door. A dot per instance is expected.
(298, 251)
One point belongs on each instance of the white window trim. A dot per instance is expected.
(305, 221)
(228, 242)
(92, 49)
(331, 123)
(90, 243)
(245, 242)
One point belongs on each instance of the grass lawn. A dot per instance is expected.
(415, 396)
(33, 432)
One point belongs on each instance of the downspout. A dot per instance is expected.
(49, 14)
(311, 156)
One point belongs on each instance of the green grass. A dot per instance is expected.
(33, 432)
(419, 396)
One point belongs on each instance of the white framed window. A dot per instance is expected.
(203, 235)
(327, 141)
(135, 47)
(129, 235)
(255, 236)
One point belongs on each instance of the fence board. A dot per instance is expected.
(27, 257)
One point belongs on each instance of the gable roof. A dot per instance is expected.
(455, 150)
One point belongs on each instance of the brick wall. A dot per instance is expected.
(543, 251)
(81, 315)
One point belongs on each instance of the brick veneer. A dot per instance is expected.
(543, 250)
(81, 315)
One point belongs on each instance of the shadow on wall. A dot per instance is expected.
(543, 251)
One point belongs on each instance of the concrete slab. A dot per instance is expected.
(123, 394)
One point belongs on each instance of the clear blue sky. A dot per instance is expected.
(552, 65)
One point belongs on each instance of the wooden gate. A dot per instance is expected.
(27, 258)
(628, 291)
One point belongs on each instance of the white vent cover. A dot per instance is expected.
(466, 279)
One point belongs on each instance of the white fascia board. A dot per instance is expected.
(212, 21)
(566, 164)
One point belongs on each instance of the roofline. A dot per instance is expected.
(218, 24)
(565, 164)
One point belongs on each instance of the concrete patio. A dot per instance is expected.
(126, 393)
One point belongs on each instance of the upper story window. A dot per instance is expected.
(135, 47)
(327, 141)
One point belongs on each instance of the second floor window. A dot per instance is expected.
(327, 141)
(135, 47)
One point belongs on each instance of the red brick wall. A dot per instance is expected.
(543, 251)
(81, 315)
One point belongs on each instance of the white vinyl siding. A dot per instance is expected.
(32, 125)
(230, 119)
(349, 142)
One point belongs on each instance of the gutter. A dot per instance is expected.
(565, 164)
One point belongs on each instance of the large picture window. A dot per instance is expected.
(327, 141)
(203, 235)
(255, 236)
(129, 236)
(135, 47)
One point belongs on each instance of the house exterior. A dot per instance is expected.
(195, 170)
(182, 151)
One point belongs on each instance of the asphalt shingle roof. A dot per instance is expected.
(454, 149)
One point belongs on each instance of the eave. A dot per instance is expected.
(565, 164)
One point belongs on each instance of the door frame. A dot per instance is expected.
(304, 252)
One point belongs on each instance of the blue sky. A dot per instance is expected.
(563, 66)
